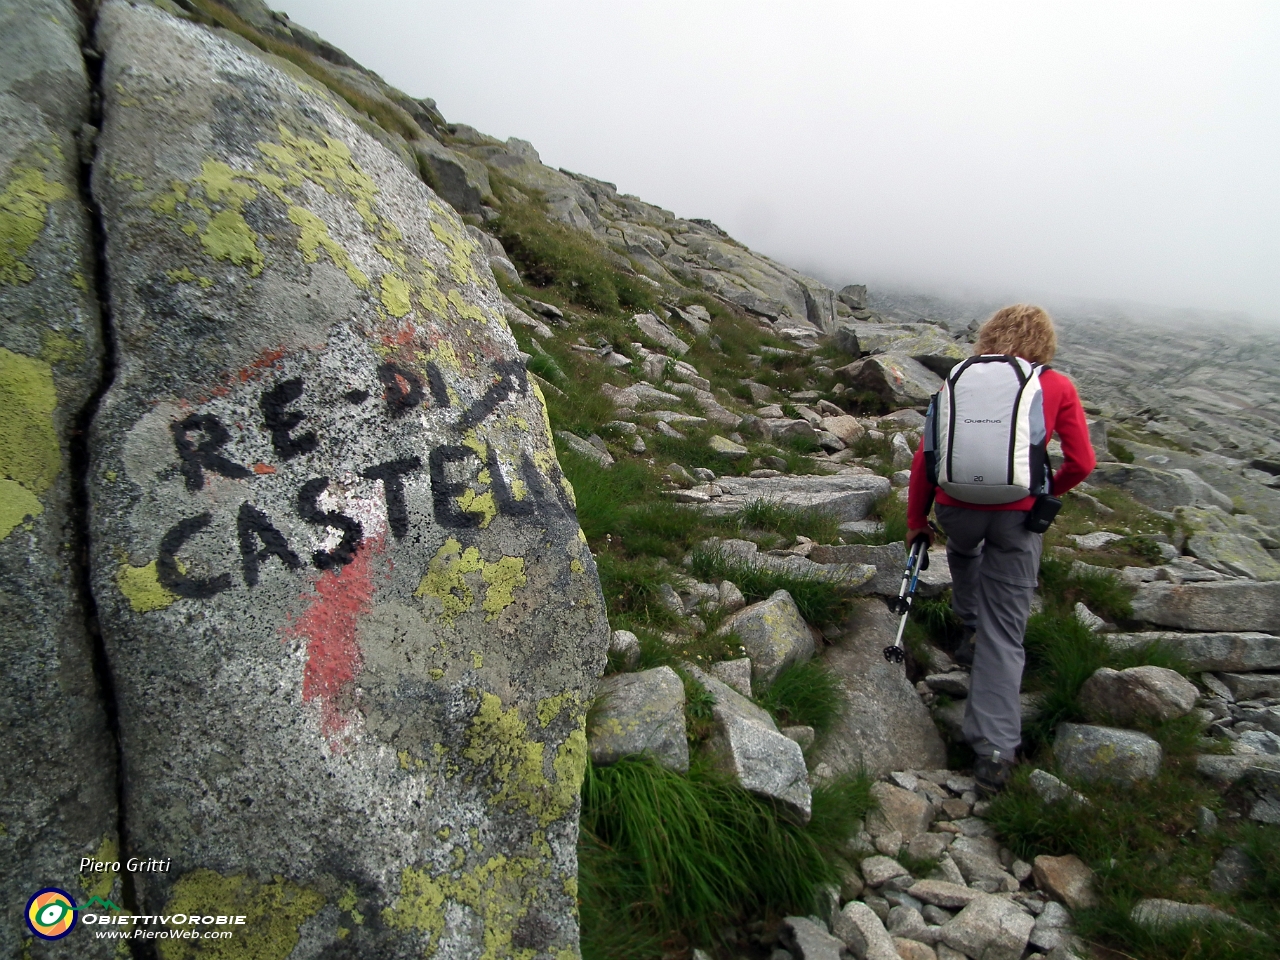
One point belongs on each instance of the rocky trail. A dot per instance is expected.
(369, 487)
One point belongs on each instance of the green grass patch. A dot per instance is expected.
(1141, 842)
(892, 514)
(671, 857)
(551, 254)
(1103, 593)
(805, 694)
(822, 526)
(819, 601)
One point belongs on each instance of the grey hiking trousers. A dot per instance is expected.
(994, 562)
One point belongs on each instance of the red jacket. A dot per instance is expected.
(1062, 415)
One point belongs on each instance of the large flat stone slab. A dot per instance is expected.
(1246, 651)
(849, 498)
(884, 727)
(351, 620)
(1237, 605)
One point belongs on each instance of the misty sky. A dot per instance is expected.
(1117, 150)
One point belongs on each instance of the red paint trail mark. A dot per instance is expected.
(261, 468)
(328, 624)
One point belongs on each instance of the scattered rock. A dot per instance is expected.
(848, 497)
(1159, 489)
(725, 447)
(1106, 754)
(747, 744)
(660, 333)
(584, 448)
(1087, 617)
(909, 949)
(640, 713)
(863, 932)
(1095, 540)
(802, 735)
(1146, 692)
(626, 646)
(731, 598)
(990, 928)
(735, 673)
(1052, 790)
(877, 870)
(810, 940)
(1157, 914)
(1231, 871)
(1251, 686)
(943, 893)
(899, 381)
(1067, 879)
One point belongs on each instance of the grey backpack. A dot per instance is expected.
(984, 434)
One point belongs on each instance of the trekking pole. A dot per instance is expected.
(916, 561)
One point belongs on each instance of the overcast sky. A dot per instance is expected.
(1115, 150)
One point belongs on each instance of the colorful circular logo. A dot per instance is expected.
(51, 913)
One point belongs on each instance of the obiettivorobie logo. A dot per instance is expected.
(51, 913)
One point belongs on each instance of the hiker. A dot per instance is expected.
(994, 558)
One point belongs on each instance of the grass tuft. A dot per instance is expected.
(665, 854)
(817, 524)
(819, 601)
(805, 694)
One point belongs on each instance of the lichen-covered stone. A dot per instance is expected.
(640, 713)
(774, 634)
(58, 782)
(353, 624)
(1106, 754)
(1246, 651)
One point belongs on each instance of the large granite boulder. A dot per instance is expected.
(640, 713)
(897, 380)
(1146, 693)
(884, 726)
(1235, 605)
(58, 785)
(351, 619)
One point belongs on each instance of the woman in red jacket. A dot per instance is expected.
(995, 560)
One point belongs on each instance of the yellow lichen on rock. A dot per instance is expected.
(502, 578)
(229, 237)
(499, 743)
(445, 580)
(142, 588)
(497, 892)
(24, 207)
(274, 913)
(29, 454)
(314, 237)
(395, 295)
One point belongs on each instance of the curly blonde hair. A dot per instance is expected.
(1022, 330)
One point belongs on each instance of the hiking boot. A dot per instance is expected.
(964, 652)
(992, 775)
